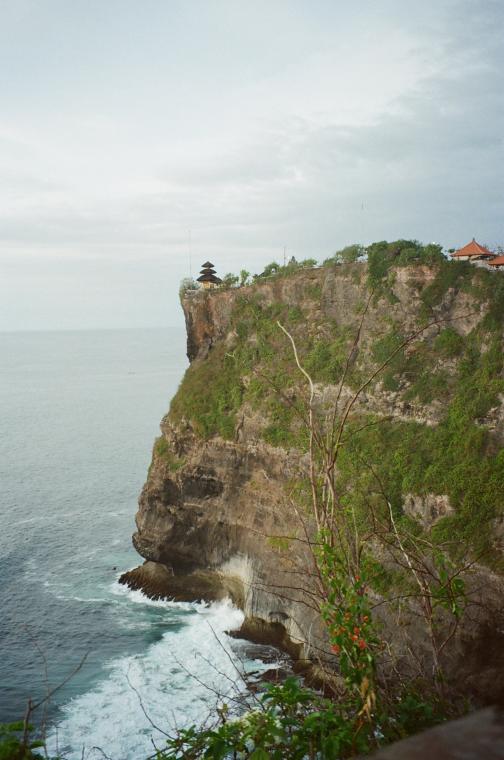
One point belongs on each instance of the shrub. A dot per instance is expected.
(186, 285)
(244, 277)
(449, 343)
(293, 722)
(450, 274)
(270, 269)
(383, 255)
(230, 280)
(274, 269)
(16, 742)
(346, 255)
(163, 450)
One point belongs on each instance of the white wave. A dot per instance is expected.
(176, 680)
(96, 600)
(28, 520)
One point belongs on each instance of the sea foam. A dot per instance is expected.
(177, 681)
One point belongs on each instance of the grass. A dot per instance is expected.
(210, 395)
(163, 450)
(452, 458)
(450, 274)
(463, 374)
(448, 344)
(326, 357)
(255, 370)
(313, 291)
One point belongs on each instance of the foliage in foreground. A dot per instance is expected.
(16, 742)
(291, 722)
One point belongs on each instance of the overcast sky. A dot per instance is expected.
(255, 124)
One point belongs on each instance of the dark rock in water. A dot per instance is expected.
(159, 582)
(274, 675)
(263, 632)
(265, 653)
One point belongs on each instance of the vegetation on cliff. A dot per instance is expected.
(456, 371)
(292, 722)
(390, 403)
(364, 462)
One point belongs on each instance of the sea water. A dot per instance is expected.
(79, 412)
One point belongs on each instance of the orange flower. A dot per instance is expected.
(357, 578)
(336, 648)
(356, 629)
(362, 644)
(354, 637)
(365, 618)
(347, 616)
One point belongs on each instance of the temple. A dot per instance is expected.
(473, 251)
(207, 277)
(498, 262)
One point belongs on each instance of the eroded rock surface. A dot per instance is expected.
(220, 522)
(212, 525)
(429, 509)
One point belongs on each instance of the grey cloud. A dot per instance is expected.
(427, 166)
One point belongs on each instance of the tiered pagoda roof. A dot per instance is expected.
(207, 274)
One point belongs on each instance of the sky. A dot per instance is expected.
(140, 138)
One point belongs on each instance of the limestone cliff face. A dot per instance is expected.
(215, 517)
(211, 521)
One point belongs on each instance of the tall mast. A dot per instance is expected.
(190, 254)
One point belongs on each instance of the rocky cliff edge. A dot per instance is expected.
(215, 518)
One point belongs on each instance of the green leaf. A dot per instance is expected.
(260, 754)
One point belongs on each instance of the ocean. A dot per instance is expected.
(79, 413)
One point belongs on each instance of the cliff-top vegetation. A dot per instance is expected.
(433, 401)
(392, 397)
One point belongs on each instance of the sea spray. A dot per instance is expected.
(80, 411)
(177, 681)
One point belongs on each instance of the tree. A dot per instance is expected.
(188, 283)
(344, 541)
(230, 280)
(270, 269)
(349, 254)
(244, 277)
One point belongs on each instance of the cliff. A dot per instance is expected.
(216, 514)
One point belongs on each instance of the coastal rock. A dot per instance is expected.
(158, 582)
(215, 516)
(216, 521)
(428, 509)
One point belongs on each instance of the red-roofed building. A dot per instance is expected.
(472, 252)
(497, 262)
